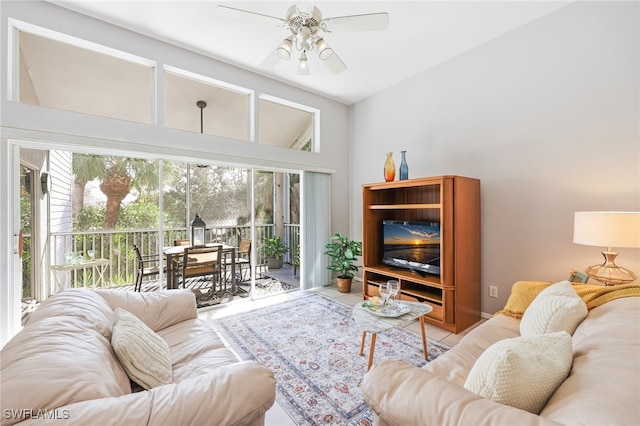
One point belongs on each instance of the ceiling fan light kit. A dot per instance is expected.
(304, 24)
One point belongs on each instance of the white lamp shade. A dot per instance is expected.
(607, 229)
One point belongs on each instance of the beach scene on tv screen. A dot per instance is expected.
(413, 242)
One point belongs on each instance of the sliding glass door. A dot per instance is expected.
(98, 208)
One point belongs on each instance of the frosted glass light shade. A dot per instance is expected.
(324, 51)
(303, 65)
(284, 49)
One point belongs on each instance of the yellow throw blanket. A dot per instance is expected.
(523, 293)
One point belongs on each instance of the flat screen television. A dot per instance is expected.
(412, 245)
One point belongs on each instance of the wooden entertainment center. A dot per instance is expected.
(454, 203)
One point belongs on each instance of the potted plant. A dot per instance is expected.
(296, 260)
(342, 252)
(274, 248)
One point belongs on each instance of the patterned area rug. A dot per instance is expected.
(264, 287)
(312, 344)
(269, 286)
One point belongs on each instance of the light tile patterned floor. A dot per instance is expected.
(276, 416)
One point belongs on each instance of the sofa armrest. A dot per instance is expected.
(236, 394)
(131, 409)
(157, 309)
(402, 394)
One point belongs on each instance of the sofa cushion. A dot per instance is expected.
(522, 372)
(83, 304)
(58, 361)
(144, 355)
(604, 384)
(157, 309)
(454, 365)
(556, 308)
(195, 347)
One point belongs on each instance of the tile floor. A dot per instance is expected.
(276, 416)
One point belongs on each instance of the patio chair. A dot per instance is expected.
(202, 262)
(181, 242)
(243, 259)
(147, 266)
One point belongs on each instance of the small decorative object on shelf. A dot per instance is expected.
(389, 168)
(404, 168)
(73, 257)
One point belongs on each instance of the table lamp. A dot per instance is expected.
(608, 229)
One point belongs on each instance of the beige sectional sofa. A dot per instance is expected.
(61, 367)
(602, 388)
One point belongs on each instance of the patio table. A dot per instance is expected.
(172, 252)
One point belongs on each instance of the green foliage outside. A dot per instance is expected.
(25, 225)
(221, 195)
(274, 247)
(139, 215)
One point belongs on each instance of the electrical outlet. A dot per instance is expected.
(493, 291)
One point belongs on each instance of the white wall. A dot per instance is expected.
(547, 117)
(57, 128)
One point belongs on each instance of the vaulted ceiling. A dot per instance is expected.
(421, 34)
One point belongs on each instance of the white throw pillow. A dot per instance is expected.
(557, 308)
(522, 372)
(144, 355)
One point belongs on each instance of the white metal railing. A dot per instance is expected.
(117, 247)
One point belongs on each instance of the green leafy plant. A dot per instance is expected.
(296, 257)
(274, 247)
(342, 252)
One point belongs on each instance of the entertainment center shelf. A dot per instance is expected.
(453, 203)
(405, 206)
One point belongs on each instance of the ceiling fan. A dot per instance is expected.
(306, 25)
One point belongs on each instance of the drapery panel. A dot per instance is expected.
(315, 228)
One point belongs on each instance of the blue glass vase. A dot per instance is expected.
(404, 168)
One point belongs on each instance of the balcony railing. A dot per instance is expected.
(117, 247)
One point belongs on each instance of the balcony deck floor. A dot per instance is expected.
(267, 283)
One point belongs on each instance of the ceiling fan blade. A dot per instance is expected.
(366, 22)
(271, 60)
(335, 64)
(231, 12)
(305, 6)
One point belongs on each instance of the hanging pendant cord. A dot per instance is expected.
(202, 105)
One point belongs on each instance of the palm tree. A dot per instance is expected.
(85, 169)
(118, 176)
